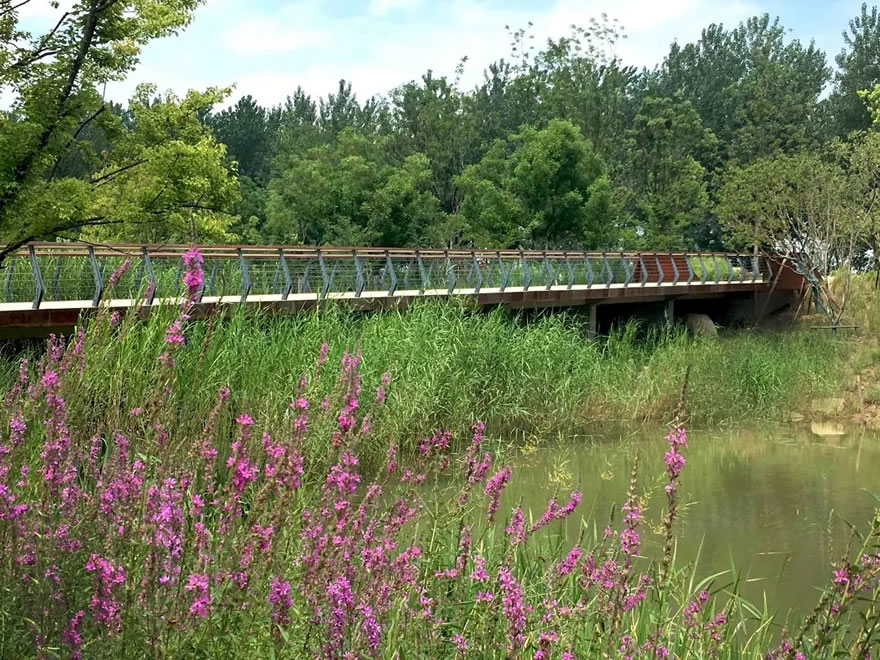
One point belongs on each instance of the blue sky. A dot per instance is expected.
(268, 47)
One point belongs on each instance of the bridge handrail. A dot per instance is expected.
(80, 271)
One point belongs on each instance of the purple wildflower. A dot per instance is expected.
(567, 565)
(495, 487)
(479, 573)
(514, 608)
(193, 278)
(693, 609)
(200, 586)
(279, 598)
(516, 530)
(72, 637)
(117, 274)
(105, 607)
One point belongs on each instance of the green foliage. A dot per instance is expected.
(345, 193)
(159, 174)
(669, 184)
(858, 68)
(756, 91)
(562, 144)
(247, 131)
(543, 187)
(772, 202)
(540, 376)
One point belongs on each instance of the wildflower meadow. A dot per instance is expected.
(275, 537)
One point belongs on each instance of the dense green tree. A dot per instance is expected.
(542, 187)
(581, 80)
(151, 175)
(669, 192)
(430, 118)
(298, 122)
(342, 110)
(249, 136)
(347, 193)
(858, 68)
(561, 144)
(757, 91)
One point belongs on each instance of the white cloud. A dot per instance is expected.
(260, 36)
(382, 7)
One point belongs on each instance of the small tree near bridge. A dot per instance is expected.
(803, 207)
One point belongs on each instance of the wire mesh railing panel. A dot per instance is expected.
(223, 277)
(377, 276)
(17, 281)
(266, 277)
(584, 272)
(434, 273)
(67, 278)
(168, 274)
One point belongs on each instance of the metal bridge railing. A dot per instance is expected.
(57, 274)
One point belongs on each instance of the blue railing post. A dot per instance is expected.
(606, 268)
(450, 272)
(151, 277)
(676, 274)
(627, 273)
(505, 273)
(570, 270)
(704, 272)
(549, 271)
(360, 282)
(96, 276)
(422, 275)
(660, 274)
(588, 265)
(245, 276)
(527, 271)
(717, 268)
(325, 277)
(478, 273)
(38, 278)
(285, 271)
(389, 266)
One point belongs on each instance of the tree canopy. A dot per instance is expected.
(152, 171)
(562, 144)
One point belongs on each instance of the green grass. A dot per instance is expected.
(450, 366)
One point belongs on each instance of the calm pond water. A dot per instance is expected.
(773, 500)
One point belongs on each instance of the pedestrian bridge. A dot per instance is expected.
(51, 284)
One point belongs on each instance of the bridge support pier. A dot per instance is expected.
(670, 313)
(594, 320)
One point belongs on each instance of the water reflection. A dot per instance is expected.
(772, 501)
